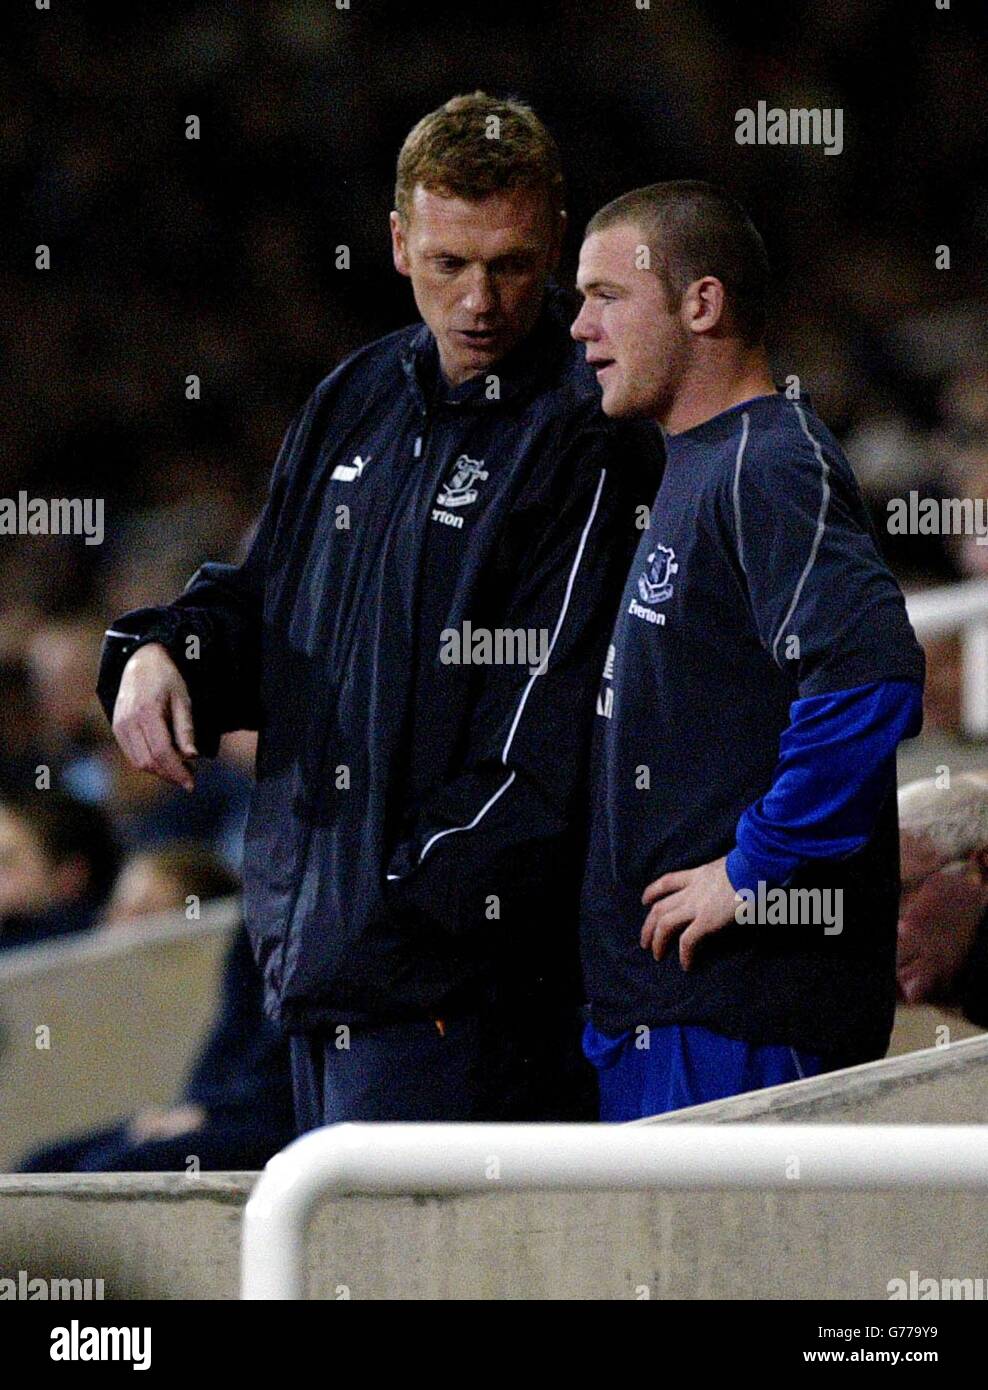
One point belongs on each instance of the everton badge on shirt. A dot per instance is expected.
(655, 585)
(460, 489)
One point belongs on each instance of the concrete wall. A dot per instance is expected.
(124, 1013)
(920, 1026)
(173, 1236)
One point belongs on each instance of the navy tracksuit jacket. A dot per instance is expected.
(416, 832)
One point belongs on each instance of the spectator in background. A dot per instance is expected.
(20, 726)
(148, 881)
(58, 858)
(943, 916)
(148, 814)
(60, 655)
(47, 711)
(68, 734)
(235, 1110)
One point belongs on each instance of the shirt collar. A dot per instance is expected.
(728, 422)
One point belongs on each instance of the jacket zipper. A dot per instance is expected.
(418, 450)
(419, 447)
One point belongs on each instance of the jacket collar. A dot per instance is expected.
(518, 374)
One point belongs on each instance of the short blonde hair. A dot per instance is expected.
(477, 145)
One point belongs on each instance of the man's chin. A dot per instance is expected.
(469, 361)
(615, 406)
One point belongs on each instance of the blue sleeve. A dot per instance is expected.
(836, 766)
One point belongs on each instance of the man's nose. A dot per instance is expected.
(582, 329)
(480, 297)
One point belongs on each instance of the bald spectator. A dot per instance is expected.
(152, 881)
(943, 916)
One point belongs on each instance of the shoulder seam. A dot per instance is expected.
(821, 525)
(745, 423)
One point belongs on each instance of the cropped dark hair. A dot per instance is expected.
(68, 828)
(693, 229)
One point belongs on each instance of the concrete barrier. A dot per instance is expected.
(93, 1029)
(97, 1026)
(169, 1236)
(920, 1026)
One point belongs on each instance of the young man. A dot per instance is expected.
(761, 674)
(416, 633)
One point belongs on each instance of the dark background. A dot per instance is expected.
(216, 256)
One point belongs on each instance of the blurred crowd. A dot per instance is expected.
(217, 258)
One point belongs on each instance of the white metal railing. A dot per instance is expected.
(406, 1159)
(960, 608)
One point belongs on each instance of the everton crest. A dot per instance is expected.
(655, 584)
(459, 490)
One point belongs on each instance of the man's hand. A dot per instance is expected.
(702, 900)
(169, 1122)
(152, 718)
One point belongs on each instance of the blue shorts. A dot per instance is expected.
(651, 1071)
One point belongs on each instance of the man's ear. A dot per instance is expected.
(399, 249)
(702, 309)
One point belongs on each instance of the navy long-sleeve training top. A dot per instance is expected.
(761, 672)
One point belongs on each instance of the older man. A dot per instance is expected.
(943, 912)
(412, 855)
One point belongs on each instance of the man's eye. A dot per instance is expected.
(447, 263)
